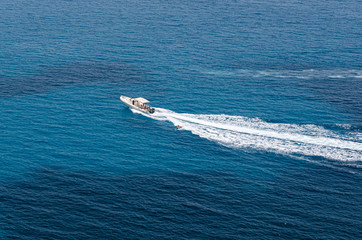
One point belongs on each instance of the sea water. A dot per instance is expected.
(268, 94)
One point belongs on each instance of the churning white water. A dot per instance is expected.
(253, 133)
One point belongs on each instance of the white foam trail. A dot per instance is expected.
(253, 133)
(299, 74)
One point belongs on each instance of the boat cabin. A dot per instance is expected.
(142, 104)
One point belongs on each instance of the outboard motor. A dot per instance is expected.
(152, 110)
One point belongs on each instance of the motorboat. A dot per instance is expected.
(138, 103)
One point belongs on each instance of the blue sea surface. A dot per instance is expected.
(268, 94)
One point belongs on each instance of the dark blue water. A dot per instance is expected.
(268, 94)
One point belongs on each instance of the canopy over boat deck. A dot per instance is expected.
(142, 100)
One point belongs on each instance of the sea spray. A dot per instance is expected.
(253, 133)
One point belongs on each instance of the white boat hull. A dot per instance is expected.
(133, 103)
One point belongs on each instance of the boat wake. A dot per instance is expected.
(255, 134)
(299, 74)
